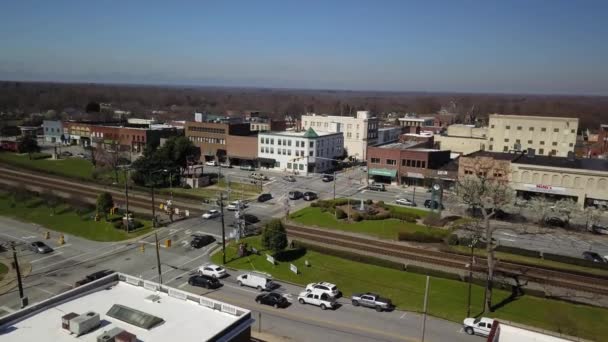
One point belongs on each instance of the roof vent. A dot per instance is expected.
(110, 335)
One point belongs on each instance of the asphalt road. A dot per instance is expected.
(57, 272)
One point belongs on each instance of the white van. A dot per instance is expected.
(259, 281)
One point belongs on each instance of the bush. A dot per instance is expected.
(340, 214)
(574, 261)
(356, 217)
(369, 202)
(432, 272)
(381, 204)
(186, 186)
(366, 259)
(290, 254)
(425, 237)
(518, 251)
(432, 219)
(136, 224)
(453, 240)
(382, 216)
(118, 224)
(38, 156)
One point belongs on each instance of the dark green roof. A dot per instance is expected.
(310, 133)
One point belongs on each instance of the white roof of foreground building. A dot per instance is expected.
(145, 309)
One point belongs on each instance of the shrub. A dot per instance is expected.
(356, 217)
(366, 259)
(136, 224)
(38, 156)
(380, 204)
(382, 216)
(425, 237)
(118, 224)
(518, 251)
(574, 261)
(432, 272)
(452, 240)
(369, 202)
(432, 219)
(186, 186)
(274, 236)
(290, 254)
(340, 214)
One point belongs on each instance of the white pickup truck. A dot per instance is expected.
(317, 298)
(502, 332)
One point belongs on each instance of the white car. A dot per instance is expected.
(323, 287)
(405, 201)
(211, 163)
(211, 214)
(212, 270)
(478, 326)
(256, 280)
(236, 205)
(318, 298)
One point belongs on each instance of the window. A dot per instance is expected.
(391, 162)
(507, 140)
(541, 151)
(554, 143)
(262, 149)
(556, 130)
(492, 126)
(289, 152)
(301, 166)
(531, 128)
(348, 135)
(490, 148)
(505, 149)
(311, 144)
(402, 162)
(517, 141)
(375, 160)
(423, 164)
(491, 139)
(418, 163)
(529, 141)
(573, 131)
(497, 174)
(542, 142)
(357, 136)
(277, 164)
(543, 129)
(508, 127)
(288, 142)
(272, 141)
(408, 162)
(468, 172)
(553, 152)
(289, 165)
(310, 153)
(519, 128)
(571, 144)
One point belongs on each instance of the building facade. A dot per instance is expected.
(548, 136)
(388, 134)
(53, 131)
(211, 137)
(463, 139)
(299, 152)
(242, 150)
(415, 121)
(359, 132)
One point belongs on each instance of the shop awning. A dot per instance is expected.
(383, 172)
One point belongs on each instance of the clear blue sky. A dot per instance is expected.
(538, 46)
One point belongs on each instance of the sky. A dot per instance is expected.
(493, 46)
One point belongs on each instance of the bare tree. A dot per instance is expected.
(592, 216)
(484, 189)
(542, 207)
(567, 208)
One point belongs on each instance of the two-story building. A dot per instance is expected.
(53, 131)
(212, 137)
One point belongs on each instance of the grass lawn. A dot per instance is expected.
(447, 298)
(533, 261)
(3, 270)
(66, 220)
(69, 167)
(240, 187)
(386, 229)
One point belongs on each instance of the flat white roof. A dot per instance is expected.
(299, 134)
(185, 320)
(530, 117)
(513, 334)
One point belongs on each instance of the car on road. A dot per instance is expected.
(211, 163)
(200, 241)
(318, 298)
(310, 196)
(597, 229)
(294, 195)
(327, 178)
(555, 222)
(66, 154)
(226, 165)
(211, 214)
(377, 187)
(204, 281)
(258, 176)
(371, 300)
(93, 276)
(264, 197)
(256, 280)
(39, 247)
(289, 178)
(212, 270)
(431, 204)
(478, 326)
(406, 202)
(324, 287)
(272, 299)
(236, 205)
(247, 167)
(249, 218)
(593, 256)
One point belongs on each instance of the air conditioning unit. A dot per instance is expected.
(125, 336)
(84, 323)
(65, 320)
(110, 335)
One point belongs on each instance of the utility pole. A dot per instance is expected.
(153, 207)
(127, 198)
(414, 196)
(334, 185)
(160, 274)
(18, 271)
(473, 243)
(223, 229)
(426, 300)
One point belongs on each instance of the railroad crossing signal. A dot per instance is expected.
(61, 240)
(47, 235)
(142, 248)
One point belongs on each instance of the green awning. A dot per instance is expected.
(383, 172)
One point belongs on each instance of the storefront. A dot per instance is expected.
(385, 176)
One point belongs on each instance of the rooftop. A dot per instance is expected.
(496, 155)
(550, 161)
(185, 317)
(411, 118)
(401, 145)
(301, 134)
(531, 117)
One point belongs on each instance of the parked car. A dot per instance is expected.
(294, 195)
(320, 299)
(211, 214)
(324, 287)
(371, 300)
(289, 178)
(211, 163)
(226, 165)
(256, 280)
(555, 222)
(66, 154)
(377, 187)
(593, 256)
(596, 229)
(93, 276)
(200, 241)
(236, 205)
(432, 204)
(310, 196)
(204, 281)
(327, 178)
(478, 326)
(39, 247)
(406, 202)
(264, 197)
(272, 299)
(249, 218)
(80, 155)
(247, 167)
(212, 270)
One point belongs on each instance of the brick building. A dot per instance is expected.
(242, 150)
(212, 137)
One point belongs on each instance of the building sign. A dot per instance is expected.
(415, 175)
(545, 188)
(442, 173)
(383, 172)
(270, 259)
(293, 268)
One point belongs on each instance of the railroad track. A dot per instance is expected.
(593, 284)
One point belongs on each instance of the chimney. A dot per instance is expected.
(530, 153)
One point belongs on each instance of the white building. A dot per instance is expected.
(388, 134)
(128, 309)
(299, 152)
(416, 121)
(359, 131)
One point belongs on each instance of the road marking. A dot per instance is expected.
(182, 285)
(511, 240)
(29, 237)
(45, 291)
(7, 309)
(66, 245)
(508, 234)
(405, 313)
(180, 266)
(46, 257)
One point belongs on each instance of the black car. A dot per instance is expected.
(199, 241)
(294, 195)
(204, 281)
(555, 222)
(272, 299)
(327, 178)
(93, 276)
(433, 204)
(264, 197)
(593, 256)
(310, 196)
(249, 219)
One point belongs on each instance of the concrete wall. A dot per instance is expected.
(461, 145)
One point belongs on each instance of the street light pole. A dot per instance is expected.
(18, 271)
(223, 229)
(334, 185)
(127, 197)
(473, 243)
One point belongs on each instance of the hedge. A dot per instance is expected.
(366, 259)
(432, 272)
(518, 251)
(425, 237)
(574, 261)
